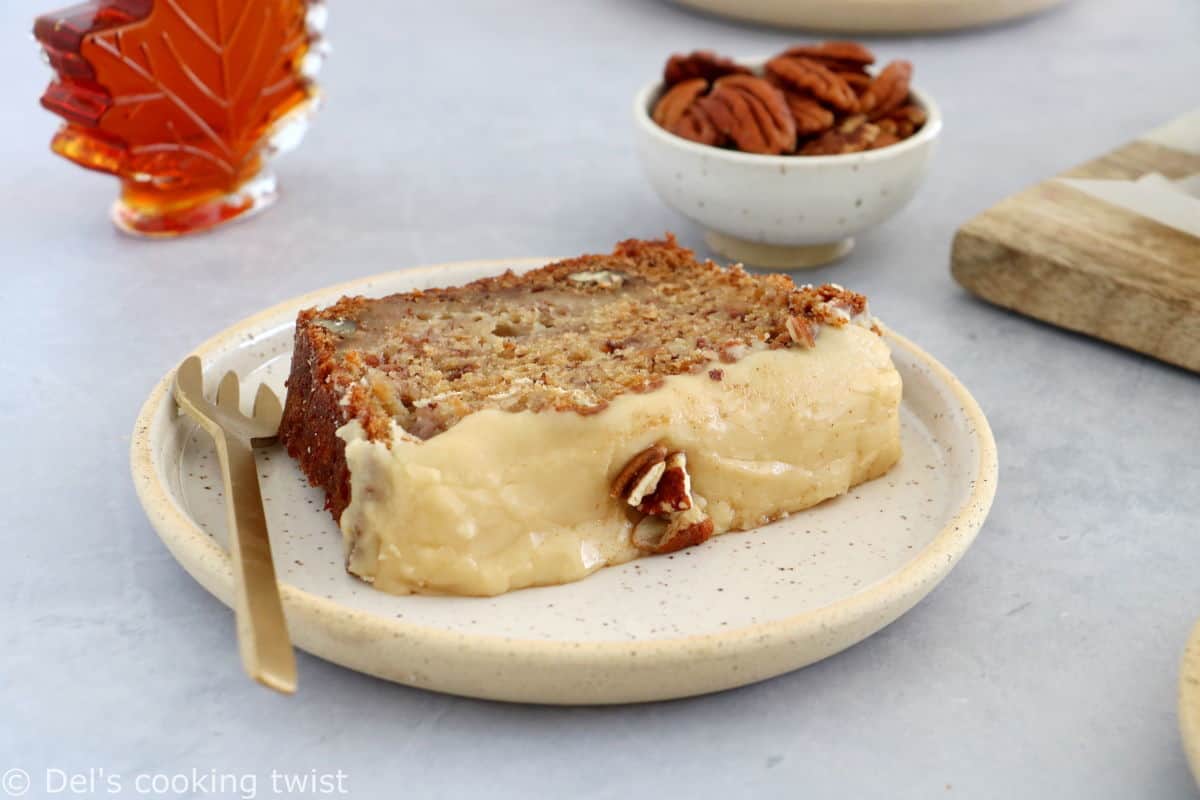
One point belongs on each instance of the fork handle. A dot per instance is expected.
(263, 640)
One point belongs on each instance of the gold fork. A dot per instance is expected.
(263, 639)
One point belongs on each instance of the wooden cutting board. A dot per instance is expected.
(1064, 256)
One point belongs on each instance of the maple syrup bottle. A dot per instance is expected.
(183, 100)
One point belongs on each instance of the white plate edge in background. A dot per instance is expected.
(873, 16)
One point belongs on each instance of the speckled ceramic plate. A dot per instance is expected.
(873, 16)
(741, 608)
(1189, 702)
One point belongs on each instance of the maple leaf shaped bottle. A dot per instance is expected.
(183, 100)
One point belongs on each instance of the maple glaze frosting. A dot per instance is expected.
(528, 429)
(505, 500)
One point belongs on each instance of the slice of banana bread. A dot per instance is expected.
(576, 340)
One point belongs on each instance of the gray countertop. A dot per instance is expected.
(1044, 666)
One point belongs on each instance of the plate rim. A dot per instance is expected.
(208, 563)
(1189, 702)
(860, 16)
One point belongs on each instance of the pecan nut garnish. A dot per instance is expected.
(888, 90)
(658, 485)
(699, 64)
(678, 112)
(640, 475)
(806, 76)
(847, 56)
(673, 491)
(685, 529)
(801, 331)
(604, 278)
(752, 113)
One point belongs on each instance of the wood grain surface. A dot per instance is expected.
(1061, 256)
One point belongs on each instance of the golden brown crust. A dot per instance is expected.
(312, 416)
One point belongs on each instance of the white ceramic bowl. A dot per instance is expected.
(784, 212)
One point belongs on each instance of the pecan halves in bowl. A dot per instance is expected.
(841, 56)
(821, 98)
(678, 99)
(806, 76)
(678, 112)
(753, 113)
(904, 121)
(852, 136)
(699, 64)
(859, 82)
(888, 90)
(811, 117)
(697, 126)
